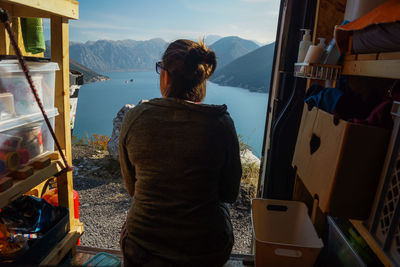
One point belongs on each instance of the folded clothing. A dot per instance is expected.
(322, 98)
(388, 12)
(377, 38)
(349, 106)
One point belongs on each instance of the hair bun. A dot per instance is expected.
(210, 57)
(194, 56)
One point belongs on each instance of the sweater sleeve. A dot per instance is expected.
(232, 169)
(127, 169)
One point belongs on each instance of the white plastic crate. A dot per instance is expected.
(284, 234)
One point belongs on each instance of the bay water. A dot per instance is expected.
(99, 103)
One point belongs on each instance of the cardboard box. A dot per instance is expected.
(284, 234)
(340, 162)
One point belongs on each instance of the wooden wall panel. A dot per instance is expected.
(329, 14)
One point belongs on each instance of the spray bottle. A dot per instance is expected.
(304, 45)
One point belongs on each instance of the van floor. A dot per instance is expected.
(83, 254)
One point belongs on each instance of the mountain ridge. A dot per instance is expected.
(230, 48)
(256, 75)
(121, 55)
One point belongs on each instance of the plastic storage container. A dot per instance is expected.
(23, 138)
(12, 80)
(386, 222)
(7, 110)
(104, 259)
(284, 234)
(39, 249)
(340, 252)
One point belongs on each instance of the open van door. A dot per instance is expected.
(285, 102)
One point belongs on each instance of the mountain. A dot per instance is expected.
(230, 48)
(258, 43)
(210, 39)
(251, 71)
(88, 75)
(124, 55)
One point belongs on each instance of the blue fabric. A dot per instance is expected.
(29, 214)
(323, 98)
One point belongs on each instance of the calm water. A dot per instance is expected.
(99, 103)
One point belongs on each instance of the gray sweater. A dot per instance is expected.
(180, 161)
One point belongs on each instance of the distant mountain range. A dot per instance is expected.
(251, 71)
(241, 63)
(130, 55)
(89, 75)
(125, 55)
(230, 48)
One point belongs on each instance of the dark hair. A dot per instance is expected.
(189, 65)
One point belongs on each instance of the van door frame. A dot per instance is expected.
(285, 102)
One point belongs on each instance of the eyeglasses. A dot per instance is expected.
(159, 66)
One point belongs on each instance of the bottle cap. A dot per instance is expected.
(307, 34)
(321, 42)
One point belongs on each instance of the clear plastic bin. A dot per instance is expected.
(24, 138)
(340, 252)
(7, 110)
(12, 80)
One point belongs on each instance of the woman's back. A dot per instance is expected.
(180, 153)
(180, 162)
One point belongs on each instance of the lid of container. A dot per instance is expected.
(12, 65)
(25, 119)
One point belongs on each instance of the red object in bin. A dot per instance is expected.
(51, 196)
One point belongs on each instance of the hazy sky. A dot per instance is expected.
(172, 19)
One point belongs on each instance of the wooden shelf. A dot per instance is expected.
(63, 247)
(23, 186)
(381, 65)
(372, 243)
(42, 8)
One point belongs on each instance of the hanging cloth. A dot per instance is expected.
(32, 33)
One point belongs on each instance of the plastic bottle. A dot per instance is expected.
(315, 52)
(331, 54)
(304, 45)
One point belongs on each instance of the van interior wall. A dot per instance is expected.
(321, 16)
(285, 105)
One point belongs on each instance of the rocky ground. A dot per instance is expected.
(104, 202)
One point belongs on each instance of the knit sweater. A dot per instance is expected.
(180, 161)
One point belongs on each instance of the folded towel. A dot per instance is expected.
(32, 33)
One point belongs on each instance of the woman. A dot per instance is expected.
(180, 162)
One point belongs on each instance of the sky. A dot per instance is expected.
(172, 19)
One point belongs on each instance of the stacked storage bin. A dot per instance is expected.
(23, 132)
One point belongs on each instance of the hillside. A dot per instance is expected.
(124, 55)
(89, 76)
(251, 71)
(230, 48)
